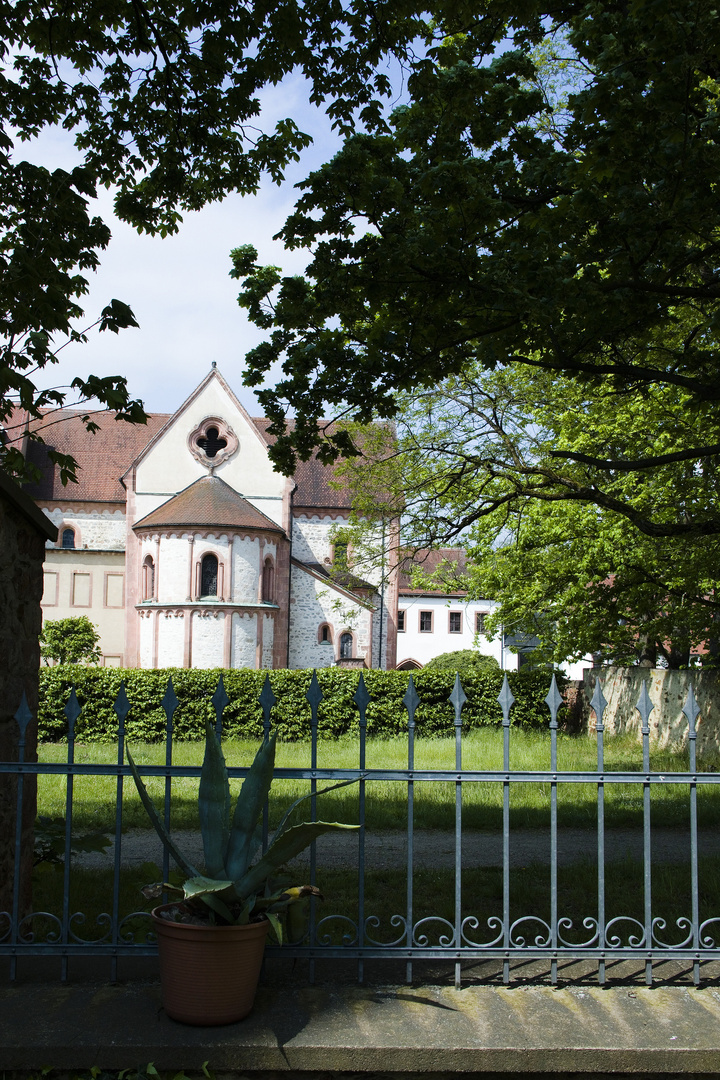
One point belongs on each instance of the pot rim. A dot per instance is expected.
(261, 925)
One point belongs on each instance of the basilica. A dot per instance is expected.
(186, 548)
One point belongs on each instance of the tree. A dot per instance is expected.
(567, 223)
(583, 558)
(163, 102)
(70, 641)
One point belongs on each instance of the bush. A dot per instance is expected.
(463, 661)
(97, 689)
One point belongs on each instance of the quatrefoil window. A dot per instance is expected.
(212, 442)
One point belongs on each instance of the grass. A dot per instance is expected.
(385, 896)
(386, 802)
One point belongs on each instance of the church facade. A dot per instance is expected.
(186, 548)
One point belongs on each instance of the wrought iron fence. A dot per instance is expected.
(469, 935)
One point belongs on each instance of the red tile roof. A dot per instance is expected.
(208, 499)
(104, 456)
(428, 561)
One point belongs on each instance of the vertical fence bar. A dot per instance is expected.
(314, 697)
(122, 708)
(691, 711)
(553, 702)
(267, 700)
(72, 711)
(457, 700)
(411, 702)
(506, 700)
(645, 707)
(361, 699)
(599, 703)
(23, 716)
(169, 704)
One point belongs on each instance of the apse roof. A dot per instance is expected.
(209, 501)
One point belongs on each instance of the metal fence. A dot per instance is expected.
(471, 935)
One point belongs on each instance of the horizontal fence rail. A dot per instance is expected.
(470, 936)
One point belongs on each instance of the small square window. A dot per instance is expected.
(426, 621)
(480, 622)
(455, 626)
(401, 621)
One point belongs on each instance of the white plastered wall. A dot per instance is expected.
(412, 644)
(169, 467)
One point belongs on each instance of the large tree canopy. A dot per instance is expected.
(584, 558)
(548, 198)
(162, 101)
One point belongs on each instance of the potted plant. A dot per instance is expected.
(211, 942)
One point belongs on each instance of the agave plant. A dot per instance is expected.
(231, 885)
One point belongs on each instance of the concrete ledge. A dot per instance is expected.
(381, 1030)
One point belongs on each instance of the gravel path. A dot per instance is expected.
(388, 850)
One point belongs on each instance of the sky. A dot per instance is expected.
(179, 287)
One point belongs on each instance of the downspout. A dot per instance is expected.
(382, 596)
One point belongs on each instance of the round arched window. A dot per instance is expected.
(148, 578)
(209, 576)
(346, 646)
(68, 538)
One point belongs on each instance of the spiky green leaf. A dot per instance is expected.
(199, 885)
(214, 804)
(283, 848)
(250, 801)
(158, 825)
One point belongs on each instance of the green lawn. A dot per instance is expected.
(386, 802)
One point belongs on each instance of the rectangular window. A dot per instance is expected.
(114, 590)
(426, 621)
(112, 661)
(401, 621)
(480, 622)
(50, 588)
(81, 590)
(455, 625)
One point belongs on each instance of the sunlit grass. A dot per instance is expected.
(386, 802)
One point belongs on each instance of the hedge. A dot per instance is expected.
(97, 689)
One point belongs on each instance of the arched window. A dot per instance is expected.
(268, 581)
(324, 633)
(209, 576)
(68, 538)
(148, 578)
(346, 646)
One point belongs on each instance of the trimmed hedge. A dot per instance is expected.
(97, 689)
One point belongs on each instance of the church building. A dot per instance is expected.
(186, 548)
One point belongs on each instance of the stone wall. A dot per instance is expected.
(24, 529)
(668, 691)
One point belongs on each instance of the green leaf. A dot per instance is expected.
(283, 848)
(214, 804)
(200, 884)
(251, 799)
(158, 825)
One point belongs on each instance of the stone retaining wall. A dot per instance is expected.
(668, 691)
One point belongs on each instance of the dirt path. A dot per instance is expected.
(388, 850)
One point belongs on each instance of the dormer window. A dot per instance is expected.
(212, 442)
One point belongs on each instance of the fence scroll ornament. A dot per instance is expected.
(469, 935)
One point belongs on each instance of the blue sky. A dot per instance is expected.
(178, 287)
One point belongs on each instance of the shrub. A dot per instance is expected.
(463, 661)
(97, 689)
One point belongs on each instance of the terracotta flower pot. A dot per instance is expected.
(209, 974)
